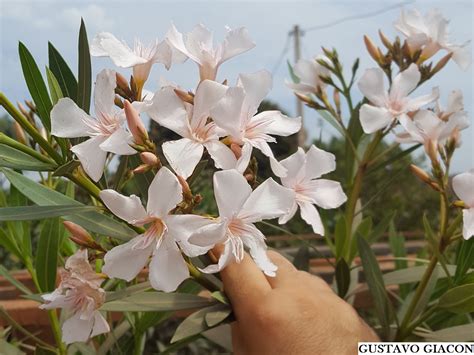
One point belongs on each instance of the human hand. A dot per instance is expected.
(292, 313)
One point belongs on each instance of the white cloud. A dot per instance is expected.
(93, 15)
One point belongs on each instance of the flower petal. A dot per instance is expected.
(164, 193)
(124, 261)
(374, 118)
(258, 251)
(236, 42)
(326, 193)
(223, 157)
(100, 325)
(227, 112)
(279, 124)
(372, 86)
(231, 190)
(405, 82)
(167, 267)
(244, 159)
(68, 120)
(462, 55)
(129, 209)
(183, 155)
(286, 217)
(463, 186)
(225, 259)
(318, 162)
(75, 329)
(468, 223)
(257, 86)
(106, 44)
(278, 169)
(310, 215)
(104, 92)
(168, 110)
(119, 143)
(176, 40)
(91, 156)
(208, 93)
(209, 235)
(269, 200)
(420, 101)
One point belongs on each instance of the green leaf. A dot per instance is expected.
(39, 350)
(381, 227)
(85, 71)
(28, 213)
(67, 168)
(157, 301)
(397, 245)
(340, 236)
(6, 274)
(220, 335)
(459, 299)
(363, 229)
(93, 221)
(47, 254)
(464, 259)
(8, 349)
(332, 121)
(10, 244)
(394, 158)
(373, 276)
(343, 277)
(410, 275)
(301, 260)
(36, 85)
(216, 316)
(54, 88)
(65, 77)
(194, 324)
(293, 76)
(16, 159)
(461, 333)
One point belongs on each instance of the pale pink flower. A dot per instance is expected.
(164, 236)
(385, 108)
(463, 186)
(239, 208)
(198, 45)
(309, 73)
(304, 172)
(191, 122)
(106, 131)
(430, 34)
(79, 293)
(236, 113)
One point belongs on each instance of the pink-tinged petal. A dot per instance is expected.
(279, 124)
(231, 190)
(405, 82)
(428, 123)
(181, 227)
(167, 267)
(100, 325)
(318, 162)
(91, 156)
(124, 261)
(256, 86)
(412, 133)
(106, 44)
(199, 42)
(291, 213)
(468, 223)
(269, 200)
(244, 159)
(294, 165)
(183, 155)
(277, 168)
(129, 209)
(227, 113)
(56, 300)
(374, 118)
(164, 193)
(455, 101)
(75, 329)
(104, 92)
(168, 110)
(236, 42)
(225, 259)
(458, 120)
(223, 157)
(164, 54)
(69, 121)
(372, 86)
(310, 215)
(119, 143)
(208, 93)
(176, 40)
(420, 101)
(325, 193)
(463, 186)
(258, 251)
(300, 87)
(463, 57)
(209, 235)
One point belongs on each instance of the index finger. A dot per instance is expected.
(243, 282)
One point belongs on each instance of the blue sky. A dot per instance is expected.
(36, 22)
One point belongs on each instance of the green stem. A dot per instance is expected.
(139, 346)
(428, 313)
(198, 276)
(28, 127)
(84, 182)
(4, 139)
(403, 330)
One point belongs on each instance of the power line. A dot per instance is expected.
(360, 16)
(285, 49)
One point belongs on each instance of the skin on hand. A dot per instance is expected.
(292, 313)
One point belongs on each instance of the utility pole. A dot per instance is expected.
(297, 33)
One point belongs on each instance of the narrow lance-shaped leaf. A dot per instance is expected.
(36, 85)
(460, 299)
(16, 159)
(54, 88)
(92, 221)
(29, 213)
(64, 75)
(47, 254)
(85, 71)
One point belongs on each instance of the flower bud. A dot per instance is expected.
(150, 159)
(236, 149)
(187, 194)
(442, 62)
(19, 133)
(122, 83)
(135, 124)
(30, 105)
(142, 169)
(372, 49)
(423, 176)
(337, 101)
(185, 96)
(80, 236)
(386, 42)
(459, 204)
